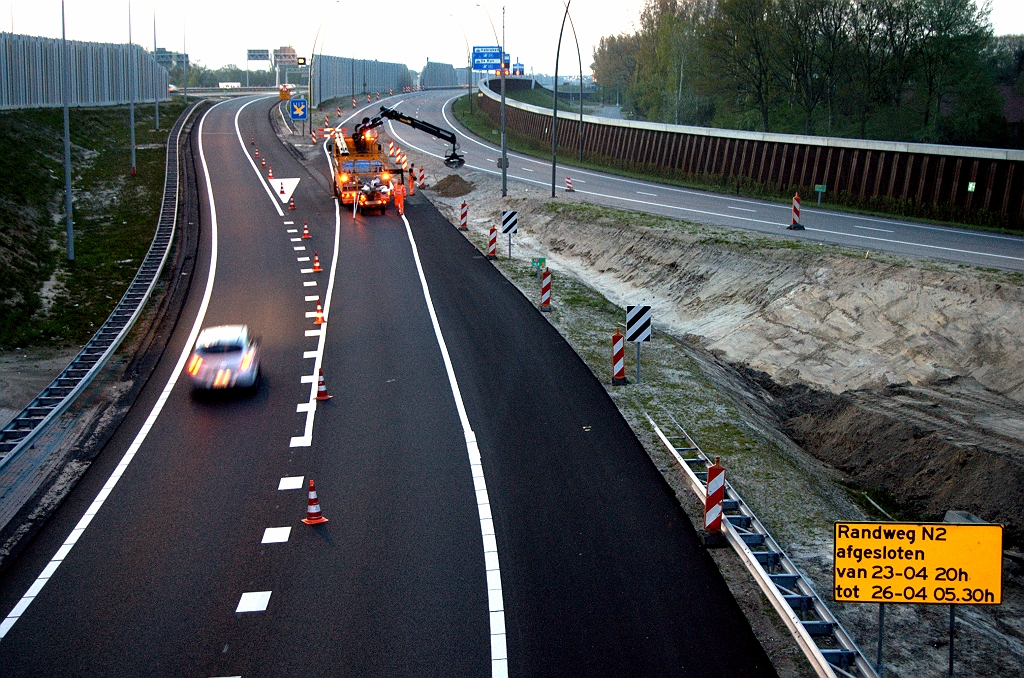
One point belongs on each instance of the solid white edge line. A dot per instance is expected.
(101, 497)
(245, 151)
(306, 439)
(495, 599)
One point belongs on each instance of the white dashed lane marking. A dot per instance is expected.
(305, 270)
(301, 248)
(309, 283)
(254, 601)
(741, 209)
(296, 239)
(276, 535)
(292, 230)
(313, 297)
(288, 223)
(302, 259)
(312, 333)
(653, 195)
(307, 379)
(309, 354)
(291, 483)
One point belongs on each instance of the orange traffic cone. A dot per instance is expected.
(252, 139)
(313, 515)
(291, 203)
(305, 230)
(257, 152)
(319, 321)
(270, 174)
(263, 162)
(316, 263)
(321, 388)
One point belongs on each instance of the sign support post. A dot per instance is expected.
(638, 329)
(881, 632)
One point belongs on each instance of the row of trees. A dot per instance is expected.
(913, 70)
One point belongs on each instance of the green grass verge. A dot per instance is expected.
(115, 216)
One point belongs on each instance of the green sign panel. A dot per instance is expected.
(820, 188)
(538, 262)
(971, 185)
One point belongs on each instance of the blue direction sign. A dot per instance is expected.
(518, 69)
(299, 109)
(487, 58)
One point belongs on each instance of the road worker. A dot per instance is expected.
(399, 193)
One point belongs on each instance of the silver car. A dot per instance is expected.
(225, 357)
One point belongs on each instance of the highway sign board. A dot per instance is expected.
(924, 563)
(638, 323)
(298, 108)
(518, 69)
(510, 221)
(820, 188)
(257, 55)
(539, 262)
(971, 185)
(486, 58)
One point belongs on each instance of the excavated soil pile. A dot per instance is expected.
(452, 186)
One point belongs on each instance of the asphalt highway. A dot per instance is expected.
(863, 232)
(490, 512)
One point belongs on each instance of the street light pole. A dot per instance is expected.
(156, 89)
(504, 144)
(554, 110)
(66, 67)
(131, 89)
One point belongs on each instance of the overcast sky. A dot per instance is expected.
(218, 32)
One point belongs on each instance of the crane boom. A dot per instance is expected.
(451, 159)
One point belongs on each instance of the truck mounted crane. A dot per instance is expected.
(452, 159)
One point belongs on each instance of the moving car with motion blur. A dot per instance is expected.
(224, 357)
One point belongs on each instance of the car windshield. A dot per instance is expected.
(219, 348)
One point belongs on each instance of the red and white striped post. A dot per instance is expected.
(391, 148)
(618, 359)
(464, 217)
(339, 110)
(796, 225)
(353, 102)
(545, 290)
(716, 495)
(492, 243)
(423, 178)
(568, 185)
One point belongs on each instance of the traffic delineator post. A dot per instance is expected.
(305, 231)
(313, 514)
(319, 320)
(618, 359)
(353, 102)
(464, 217)
(568, 185)
(339, 110)
(796, 225)
(316, 263)
(321, 387)
(291, 203)
(715, 497)
(367, 97)
(492, 243)
(545, 290)
(423, 178)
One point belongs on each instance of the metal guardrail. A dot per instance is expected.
(44, 410)
(829, 648)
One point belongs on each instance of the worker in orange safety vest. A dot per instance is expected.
(399, 193)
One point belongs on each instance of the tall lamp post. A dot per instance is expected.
(156, 80)
(66, 67)
(501, 60)
(131, 89)
(554, 111)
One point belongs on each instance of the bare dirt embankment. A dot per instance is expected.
(905, 375)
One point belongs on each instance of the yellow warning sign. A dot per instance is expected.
(922, 563)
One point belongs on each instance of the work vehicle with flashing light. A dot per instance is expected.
(225, 357)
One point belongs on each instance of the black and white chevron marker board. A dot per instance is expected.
(510, 221)
(638, 323)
